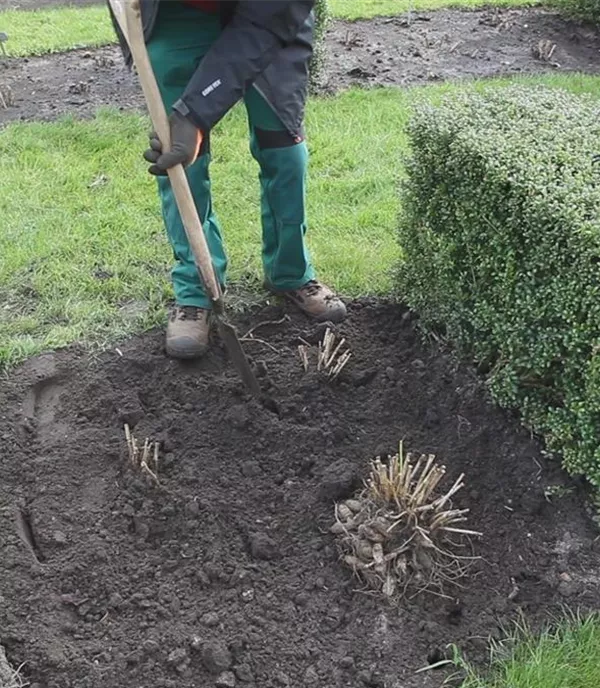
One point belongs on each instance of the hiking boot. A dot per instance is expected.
(317, 301)
(187, 332)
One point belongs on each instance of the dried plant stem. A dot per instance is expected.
(141, 459)
(340, 365)
(336, 351)
(303, 353)
(330, 358)
(131, 447)
(325, 349)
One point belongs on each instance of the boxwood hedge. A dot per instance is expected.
(501, 237)
(587, 10)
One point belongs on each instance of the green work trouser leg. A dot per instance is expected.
(181, 38)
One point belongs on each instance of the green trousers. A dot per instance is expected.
(182, 36)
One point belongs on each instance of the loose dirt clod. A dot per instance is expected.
(400, 532)
(79, 87)
(103, 61)
(25, 532)
(141, 458)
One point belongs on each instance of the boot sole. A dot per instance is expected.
(186, 354)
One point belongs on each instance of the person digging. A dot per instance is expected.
(208, 55)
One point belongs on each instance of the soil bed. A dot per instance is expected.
(454, 44)
(443, 45)
(229, 566)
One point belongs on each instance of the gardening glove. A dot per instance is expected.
(186, 140)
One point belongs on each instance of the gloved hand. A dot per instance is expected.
(186, 140)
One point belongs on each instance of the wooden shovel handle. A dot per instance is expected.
(127, 13)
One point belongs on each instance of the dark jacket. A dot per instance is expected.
(267, 43)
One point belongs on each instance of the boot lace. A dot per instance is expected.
(311, 288)
(187, 313)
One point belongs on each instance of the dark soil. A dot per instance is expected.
(453, 44)
(228, 566)
(444, 45)
(78, 82)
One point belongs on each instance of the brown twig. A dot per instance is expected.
(259, 341)
(264, 324)
(249, 336)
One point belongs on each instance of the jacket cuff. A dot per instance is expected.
(181, 107)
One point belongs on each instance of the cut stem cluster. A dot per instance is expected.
(6, 96)
(143, 458)
(401, 531)
(331, 359)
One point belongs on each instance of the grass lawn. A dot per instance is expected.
(564, 658)
(53, 30)
(83, 256)
(64, 28)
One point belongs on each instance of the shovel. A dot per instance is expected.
(127, 14)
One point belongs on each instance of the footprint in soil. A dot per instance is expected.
(40, 407)
(26, 533)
